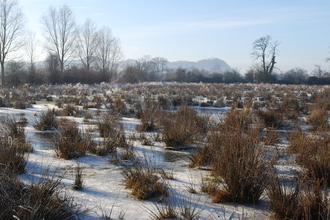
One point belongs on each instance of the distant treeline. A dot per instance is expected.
(19, 73)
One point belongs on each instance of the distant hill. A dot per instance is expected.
(212, 64)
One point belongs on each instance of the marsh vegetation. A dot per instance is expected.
(267, 146)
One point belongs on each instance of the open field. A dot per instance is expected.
(165, 150)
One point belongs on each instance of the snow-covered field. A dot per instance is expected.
(104, 193)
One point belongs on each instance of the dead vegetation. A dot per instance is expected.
(239, 149)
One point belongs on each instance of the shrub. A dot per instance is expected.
(46, 121)
(70, 143)
(113, 132)
(148, 120)
(239, 119)
(241, 162)
(150, 115)
(144, 182)
(111, 144)
(175, 208)
(12, 158)
(271, 137)
(19, 105)
(183, 127)
(13, 130)
(284, 200)
(41, 200)
(313, 154)
(108, 124)
(301, 200)
(164, 103)
(271, 118)
(290, 107)
(201, 157)
(69, 110)
(239, 159)
(119, 106)
(127, 153)
(319, 118)
(210, 187)
(78, 181)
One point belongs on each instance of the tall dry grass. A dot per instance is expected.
(272, 118)
(44, 199)
(12, 156)
(46, 121)
(239, 159)
(144, 181)
(318, 118)
(300, 200)
(112, 130)
(312, 153)
(71, 143)
(183, 127)
(13, 147)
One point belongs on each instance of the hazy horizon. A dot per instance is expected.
(195, 30)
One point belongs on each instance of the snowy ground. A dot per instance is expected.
(104, 192)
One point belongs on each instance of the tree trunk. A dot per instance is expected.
(3, 81)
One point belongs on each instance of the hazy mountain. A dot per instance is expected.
(212, 64)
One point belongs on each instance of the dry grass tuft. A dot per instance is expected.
(272, 118)
(150, 116)
(12, 157)
(71, 143)
(41, 200)
(183, 127)
(312, 152)
(46, 121)
(144, 182)
(201, 157)
(239, 159)
(13, 147)
(69, 110)
(304, 199)
(78, 181)
(113, 133)
(319, 118)
(271, 137)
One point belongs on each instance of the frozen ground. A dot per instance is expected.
(104, 192)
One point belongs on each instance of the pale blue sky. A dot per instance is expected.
(195, 29)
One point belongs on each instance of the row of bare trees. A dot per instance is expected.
(145, 69)
(64, 41)
(96, 48)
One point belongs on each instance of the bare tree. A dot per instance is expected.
(263, 48)
(295, 76)
(31, 48)
(16, 73)
(12, 28)
(232, 76)
(130, 73)
(87, 44)
(160, 66)
(317, 71)
(60, 33)
(109, 53)
(53, 68)
(146, 68)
